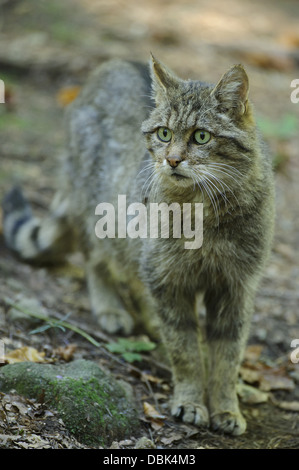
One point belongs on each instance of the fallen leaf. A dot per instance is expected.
(272, 381)
(150, 378)
(24, 354)
(19, 407)
(249, 375)
(156, 424)
(161, 396)
(68, 94)
(253, 352)
(152, 415)
(175, 437)
(151, 412)
(144, 443)
(288, 405)
(66, 352)
(266, 378)
(126, 442)
(251, 395)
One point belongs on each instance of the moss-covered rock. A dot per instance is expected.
(92, 404)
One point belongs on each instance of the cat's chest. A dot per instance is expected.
(214, 251)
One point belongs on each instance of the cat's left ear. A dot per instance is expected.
(232, 90)
(163, 79)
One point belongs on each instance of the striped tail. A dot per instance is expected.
(34, 240)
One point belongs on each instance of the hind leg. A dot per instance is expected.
(105, 302)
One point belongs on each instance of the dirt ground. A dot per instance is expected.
(47, 50)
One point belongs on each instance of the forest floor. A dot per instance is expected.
(47, 50)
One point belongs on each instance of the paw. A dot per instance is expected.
(191, 413)
(115, 321)
(228, 422)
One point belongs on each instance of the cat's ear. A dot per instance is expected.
(163, 79)
(232, 90)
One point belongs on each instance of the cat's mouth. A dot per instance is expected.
(178, 176)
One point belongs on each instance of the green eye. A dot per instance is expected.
(201, 136)
(164, 134)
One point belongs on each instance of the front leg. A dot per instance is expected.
(228, 320)
(181, 335)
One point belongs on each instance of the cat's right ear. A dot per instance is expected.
(163, 80)
(231, 91)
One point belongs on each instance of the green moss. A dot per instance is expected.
(93, 406)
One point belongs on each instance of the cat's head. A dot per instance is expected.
(200, 136)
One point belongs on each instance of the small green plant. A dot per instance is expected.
(49, 324)
(52, 322)
(129, 350)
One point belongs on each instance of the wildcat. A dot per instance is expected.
(147, 134)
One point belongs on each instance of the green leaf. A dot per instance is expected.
(46, 327)
(131, 357)
(129, 349)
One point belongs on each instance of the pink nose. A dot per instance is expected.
(174, 161)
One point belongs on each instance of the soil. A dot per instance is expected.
(47, 50)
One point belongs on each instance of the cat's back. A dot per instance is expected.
(104, 132)
(113, 103)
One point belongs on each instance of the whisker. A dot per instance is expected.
(225, 171)
(222, 193)
(222, 183)
(146, 168)
(214, 198)
(229, 168)
(155, 187)
(210, 193)
(147, 184)
(194, 182)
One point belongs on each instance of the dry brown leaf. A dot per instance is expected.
(249, 375)
(174, 437)
(253, 352)
(24, 354)
(273, 381)
(288, 405)
(266, 378)
(150, 378)
(156, 424)
(66, 352)
(68, 94)
(151, 412)
(251, 395)
(152, 415)
(20, 407)
(160, 396)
